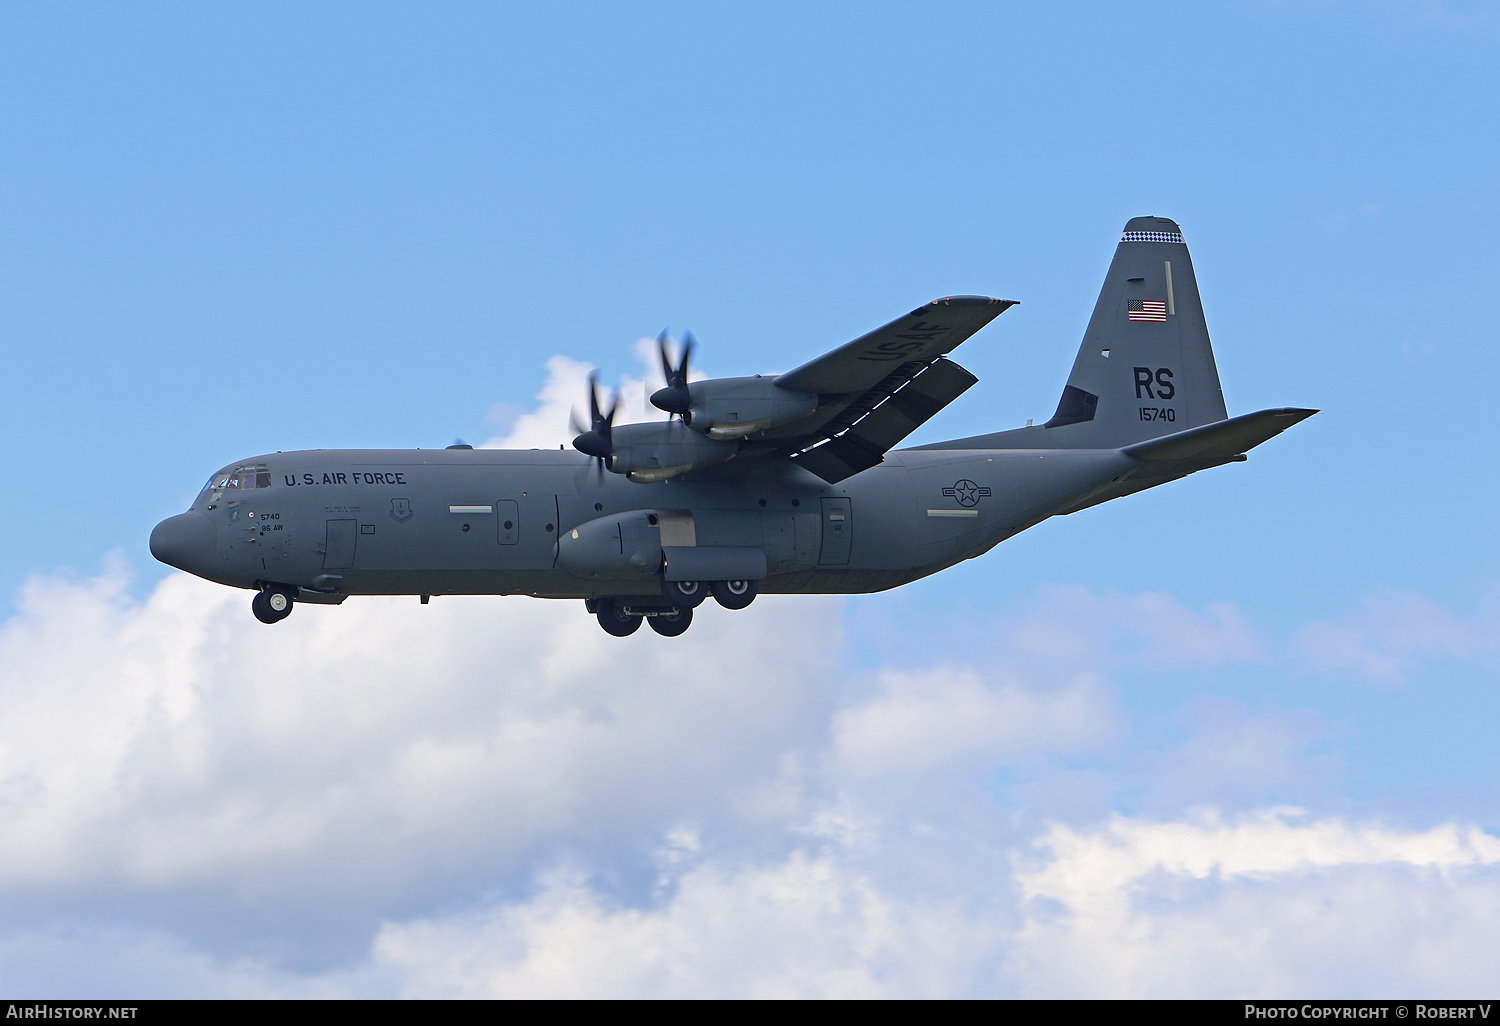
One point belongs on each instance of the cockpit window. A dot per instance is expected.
(240, 479)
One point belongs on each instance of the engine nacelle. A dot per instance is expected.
(655, 452)
(725, 408)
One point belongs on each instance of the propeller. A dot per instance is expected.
(675, 398)
(597, 439)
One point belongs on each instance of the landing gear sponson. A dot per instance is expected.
(672, 614)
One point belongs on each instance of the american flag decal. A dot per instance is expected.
(1147, 310)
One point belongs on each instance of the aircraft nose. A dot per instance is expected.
(185, 541)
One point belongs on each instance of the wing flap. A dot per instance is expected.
(875, 430)
(839, 458)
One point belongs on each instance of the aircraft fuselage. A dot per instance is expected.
(494, 522)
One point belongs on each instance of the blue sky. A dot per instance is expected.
(235, 230)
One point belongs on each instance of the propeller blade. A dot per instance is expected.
(688, 342)
(598, 440)
(676, 397)
(666, 361)
(594, 398)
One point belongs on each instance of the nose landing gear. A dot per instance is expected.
(272, 603)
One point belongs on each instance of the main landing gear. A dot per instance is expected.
(685, 594)
(734, 594)
(616, 618)
(669, 625)
(622, 616)
(272, 603)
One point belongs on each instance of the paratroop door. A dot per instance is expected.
(838, 531)
(509, 521)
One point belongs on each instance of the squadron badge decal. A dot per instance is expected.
(400, 510)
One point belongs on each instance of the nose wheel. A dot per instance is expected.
(272, 604)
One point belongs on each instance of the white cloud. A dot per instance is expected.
(1394, 633)
(1271, 904)
(1237, 759)
(358, 750)
(803, 926)
(1074, 627)
(565, 396)
(490, 796)
(934, 720)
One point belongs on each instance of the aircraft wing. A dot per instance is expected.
(882, 386)
(921, 336)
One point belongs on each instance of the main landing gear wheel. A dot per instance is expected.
(685, 594)
(734, 594)
(669, 625)
(272, 605)
(613, 622)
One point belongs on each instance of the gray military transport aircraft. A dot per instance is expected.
(777, 484)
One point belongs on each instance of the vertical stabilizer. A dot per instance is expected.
(1145, 367)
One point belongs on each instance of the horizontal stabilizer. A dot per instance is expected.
(1226, 438)
(1173, 456)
